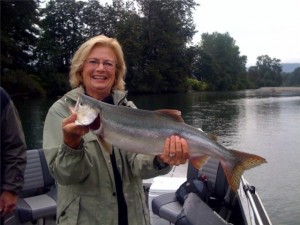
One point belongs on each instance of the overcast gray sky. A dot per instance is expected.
(259, 27)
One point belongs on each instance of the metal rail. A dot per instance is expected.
(249, 191)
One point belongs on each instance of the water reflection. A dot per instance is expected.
(263, 124)
(33, 113)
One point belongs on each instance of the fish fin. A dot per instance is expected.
(212, 137)
(72, 110)
(105, 145)
(235, 168)
(172, 114)
(200, 161)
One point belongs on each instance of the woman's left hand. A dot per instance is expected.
(176, 151)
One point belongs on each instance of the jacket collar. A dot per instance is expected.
(118, 96)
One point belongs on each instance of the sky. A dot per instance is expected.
(259, 27)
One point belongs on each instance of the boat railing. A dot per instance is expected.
(259, 211)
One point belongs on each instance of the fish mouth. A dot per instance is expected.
(95, 125)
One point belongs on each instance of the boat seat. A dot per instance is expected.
(170, 209)
(197, 212)
(38, 197)
(167, 206)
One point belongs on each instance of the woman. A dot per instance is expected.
(95, 187)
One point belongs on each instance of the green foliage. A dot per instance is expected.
(56, 83)
(155, 36)
(153, 43)
(19, 21)
(266, 73)
(62, 26)
(131, 35)
(196, 85)
(166, 28)
(218, 62)
(292, 79)
(19, 82)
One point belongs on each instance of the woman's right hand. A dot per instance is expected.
(72, 132)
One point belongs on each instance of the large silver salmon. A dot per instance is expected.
(144, 131)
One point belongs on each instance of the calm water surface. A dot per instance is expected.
(263, 124)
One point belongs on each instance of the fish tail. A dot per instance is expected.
(235, 168)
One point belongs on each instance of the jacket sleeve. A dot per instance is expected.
(68, 166)
(144, 166)
(13, 149)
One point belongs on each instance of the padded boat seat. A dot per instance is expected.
(38, 197)
(195, 211)
(167, 207)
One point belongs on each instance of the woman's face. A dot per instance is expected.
(99, 72)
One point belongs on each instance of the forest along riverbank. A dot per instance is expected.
(277, 89)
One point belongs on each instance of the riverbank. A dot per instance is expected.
(277, 89)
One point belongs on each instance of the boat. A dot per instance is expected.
(37, 201)
(219, 206)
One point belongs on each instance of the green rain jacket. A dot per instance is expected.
(85, 178)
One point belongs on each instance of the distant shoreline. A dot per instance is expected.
(277, 89)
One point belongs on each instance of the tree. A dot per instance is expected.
(218, 62)
(130, 32)
(155, 36)
(266, 73)
(292, 79)
(295, 79)
(168, 28)
(19, 32)
(66, 25)
(63, 32)
(99, 19)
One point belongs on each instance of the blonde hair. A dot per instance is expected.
(83, 52)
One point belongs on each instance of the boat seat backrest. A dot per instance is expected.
(221, 190)
(210, 170)
(37, 175)
(38, 196)
(214, 173)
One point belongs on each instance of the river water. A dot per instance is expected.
(263, 123)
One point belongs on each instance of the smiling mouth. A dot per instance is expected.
(98, 77)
